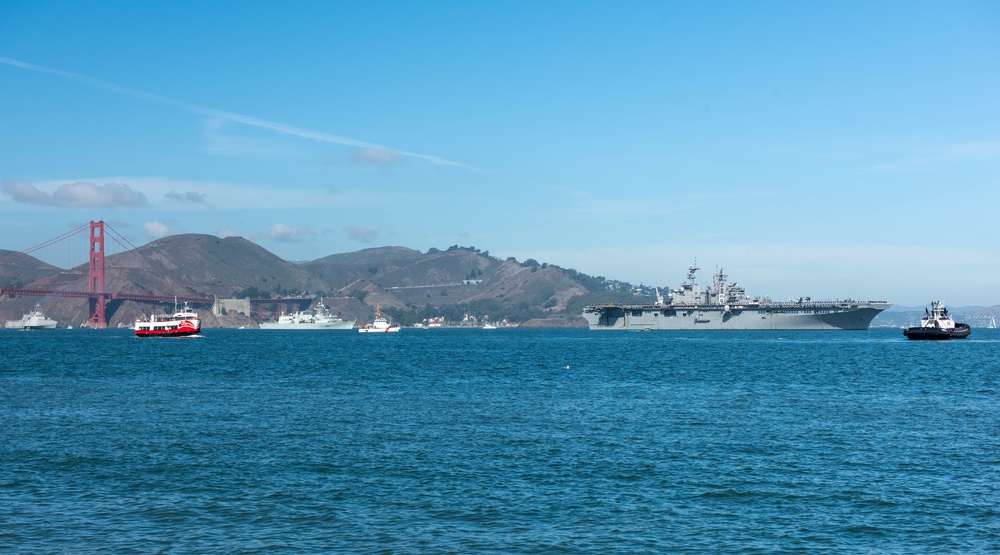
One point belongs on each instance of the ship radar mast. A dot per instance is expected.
(692, 269)
(720, 282)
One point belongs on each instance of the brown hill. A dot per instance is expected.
(205, 265)
(398, 277)
(18, 269)
(407, 284)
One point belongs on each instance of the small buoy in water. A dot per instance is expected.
(566, 367)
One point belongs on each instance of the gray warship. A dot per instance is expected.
(725, 306)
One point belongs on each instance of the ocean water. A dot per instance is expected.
(503, 441)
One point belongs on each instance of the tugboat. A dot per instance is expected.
(937, 324)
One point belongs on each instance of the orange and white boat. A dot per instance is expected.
(179, 324)
(380, 325)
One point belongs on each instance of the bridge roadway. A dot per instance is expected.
(300, 302)
(107, 296)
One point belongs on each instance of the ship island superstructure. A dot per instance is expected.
(726, 306)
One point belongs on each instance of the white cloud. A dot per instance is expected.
(184, 194)
(76, 194)
(156, 230)
(290, 234)
(26, 194)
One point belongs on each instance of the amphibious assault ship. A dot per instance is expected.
(725, 306)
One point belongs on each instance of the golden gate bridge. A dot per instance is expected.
(96, 292)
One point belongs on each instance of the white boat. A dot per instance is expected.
(322, 319)
(380, 325)
(179, 324)
(488, 326)
(993, 323)
(33, 320)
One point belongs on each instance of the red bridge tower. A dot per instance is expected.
(97, 275)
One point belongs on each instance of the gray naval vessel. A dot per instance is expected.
(725, 306)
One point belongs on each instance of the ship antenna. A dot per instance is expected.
(692, 269)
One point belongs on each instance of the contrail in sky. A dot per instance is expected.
(235, 118)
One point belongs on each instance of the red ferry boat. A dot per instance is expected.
(180, 323)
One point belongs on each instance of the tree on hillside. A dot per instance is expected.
(252, 293)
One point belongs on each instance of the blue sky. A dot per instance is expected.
(833, 150)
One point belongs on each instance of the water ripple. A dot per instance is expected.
(458, 441)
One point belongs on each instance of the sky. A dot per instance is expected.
(826, 149)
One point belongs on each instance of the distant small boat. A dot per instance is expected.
(33, 320)
(380, 325)
(937, 324)
(489, 326)
(181, 323)
(993, 323)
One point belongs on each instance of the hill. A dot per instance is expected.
(408, 285)
(18, 270)
(411, 286)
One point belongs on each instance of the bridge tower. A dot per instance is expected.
(96, 281)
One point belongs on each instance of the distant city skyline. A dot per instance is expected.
(831, 151)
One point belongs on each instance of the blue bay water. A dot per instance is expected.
(504, 441)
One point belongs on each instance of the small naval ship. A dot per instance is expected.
(725, 306)
(322, 319)
(938, 324)
(33, 320)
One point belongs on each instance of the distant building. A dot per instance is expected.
(436, 322)
(240, 306)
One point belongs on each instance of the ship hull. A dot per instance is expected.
(18, 325)
(961, 331)
(166, 333)
(167, 328)
(32, 321)
(342, 325)
(642, 318)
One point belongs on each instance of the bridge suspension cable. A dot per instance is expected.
(95, 234)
